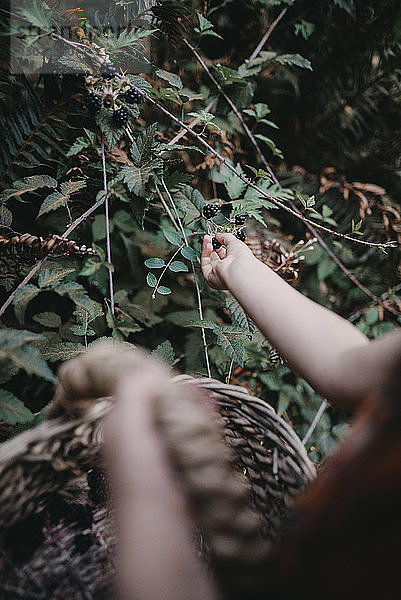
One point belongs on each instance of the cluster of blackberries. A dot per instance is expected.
(93, 102)
(108, 70)
(132, 96)
(99, 491)
(210, 210)
(240, 220)
(120, 117)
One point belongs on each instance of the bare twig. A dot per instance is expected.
(198, 294)
(108, 243)
(315, 421)
(192, 124)
(39, 264)
(253, 185)
(266, 36)
(259, 152)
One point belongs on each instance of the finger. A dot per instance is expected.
(229, 241)
(221, 252)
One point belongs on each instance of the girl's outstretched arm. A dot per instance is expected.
(336, 359)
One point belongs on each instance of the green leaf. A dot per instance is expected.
(49, 276)
(28, 184)
(173, 237)
(22, 298)
(325, 268)
(52, 202)
(25, 356)
(81, 143)
(177, 266)
(48, 319)
(172, 78)
(61, 351)
(165, 353)
(137, 178)
(231, 341)
(12, 410)
(154, 263)
(151, 280)
(90, 267)
(163, 290)
(276, 151)
(233, 184)
(238, 315)
(38, 14)
(372, 315)
(189, 253)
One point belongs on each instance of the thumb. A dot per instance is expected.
(229, 241)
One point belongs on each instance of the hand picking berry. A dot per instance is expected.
(120, 117)
(210, 210)
(216, 244)
(240, 220)
(93, 102)
(241, 235)
(108, 70)
(132, 96)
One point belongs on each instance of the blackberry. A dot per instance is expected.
(240, 220)
(241, 235)
(108, 70)
(82, 542)
(93, 102)
(210, 210)
(132, 96)
(120, 117)
(98, 486)
(24, 538)
(216, 244)
(107, 103)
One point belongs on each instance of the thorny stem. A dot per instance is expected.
(108, 243)
(192, 124)
(315, 421)
(198, 294)
(266, 36)
(225, 162)
(39, 264)
(249, 183)
(259, 152)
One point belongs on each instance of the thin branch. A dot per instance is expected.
(259, 152)
(198, 294)
(244, 179)
(235, 110)
(192, 124)
(166, 266)
(266, 36)
(166, 208)
(253, 185)
(39, 264)
(108, 243)
(315, 421)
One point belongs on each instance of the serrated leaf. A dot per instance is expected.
(165, 352)
(70, 187)
(28, 184)
(233, 184)
(177, 267)
(12, 410)
(189, 253)
(49, 276)
(38, 14)
(79, 144)
(52, 202)
(90, 267)
(28, 358)
(231, 341)
(276, 151)
(163, 290)
(48, 319)
(238, 315)
(136, 178)
(172, 78)
(22, 298)
(154, 263)
(151, 280)
(62, 351)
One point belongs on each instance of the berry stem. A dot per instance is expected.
(108, 244)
